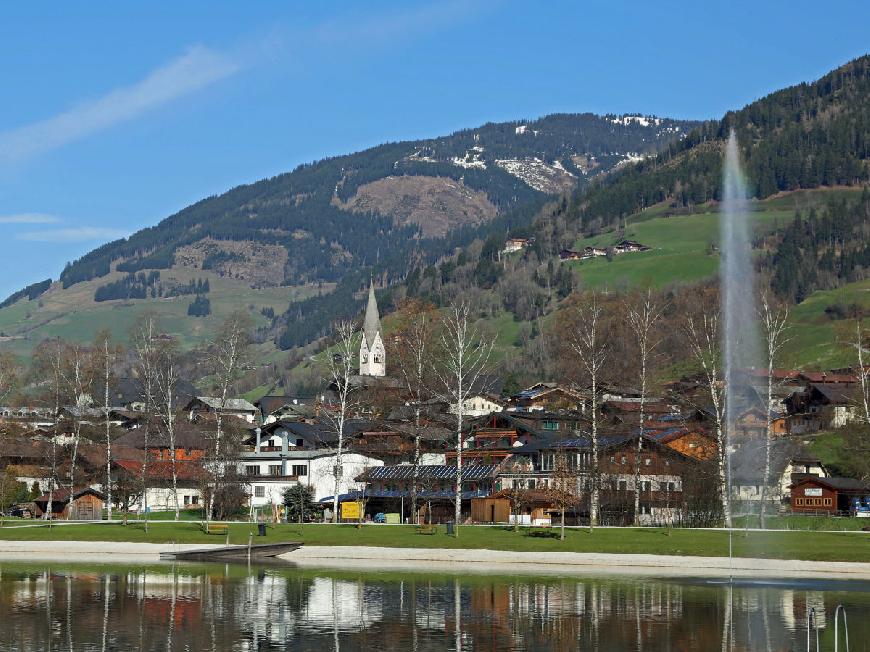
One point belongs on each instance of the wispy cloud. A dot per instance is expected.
(196, 69)
(29, 218)
(73, 234)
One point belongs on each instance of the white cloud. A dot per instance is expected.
(73, 234)
(195, 70)
(29, 218)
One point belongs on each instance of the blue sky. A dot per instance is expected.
(115, 115)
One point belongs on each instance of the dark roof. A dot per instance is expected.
(430, 472)
(836, 393)
(62, 495)
(446, 494)
(838, 484)
(186, 436)
(162, 469)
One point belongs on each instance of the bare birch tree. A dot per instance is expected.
(589, 343)
(415, 361)
(167, 381)
(76, 373)
(863, 371)
(107, 354)
(643, 316)
(774, 322)
(703, 339)
(46, 364)
(464, 359)
(144, 340)
(341, 361)
(226, 356)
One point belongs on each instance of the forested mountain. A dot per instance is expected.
(382, 211)
(806, 136)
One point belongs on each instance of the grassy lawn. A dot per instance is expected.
(822, 546)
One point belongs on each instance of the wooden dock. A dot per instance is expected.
(236, 554)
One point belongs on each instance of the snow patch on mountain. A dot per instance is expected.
(543, 177)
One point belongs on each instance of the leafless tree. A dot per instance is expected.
(703, 339)
(76, 374)
(144, 339)
(415, 361)
(341, 366)
(644, 314)
(104, 348)
(226, 356)
(562, 490)
(46, 365)
(863, 371)
(464, 359)
(774, 321)
(588, 341)
(166, 378)
(10, 370)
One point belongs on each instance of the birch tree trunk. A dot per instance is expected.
(106, 370)
(643, 317)
(590, 346)
(341, 370)
(774, 323)
(464, 360)
(703, 341)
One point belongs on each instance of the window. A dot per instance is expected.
(551, 425)
(622, 460)
(274, 469)
(623, 485)
(645, 485)
(300, 470)
(647, 461)
(252, 470)
(827, 502)
(259, 492)
(547, 462)
(194, 500)
(187, 500)
(299, 442)
(798, 502)
(365, 357)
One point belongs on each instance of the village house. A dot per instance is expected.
(234, 407)
(280, 408)
(826, 495)
(190, 478)
(390, 488)
(274, 461)
(823, 406)
(663, 472)
(547, 396)
(628, 246)
(691, 442)
(516, 244)
(86, 504)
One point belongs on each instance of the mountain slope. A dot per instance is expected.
(296, 235)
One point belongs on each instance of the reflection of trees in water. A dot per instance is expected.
(230, 608)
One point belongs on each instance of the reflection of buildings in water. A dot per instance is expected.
(795, 605)
(347, 604)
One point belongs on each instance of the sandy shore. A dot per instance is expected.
(464, 561)
(562, 563)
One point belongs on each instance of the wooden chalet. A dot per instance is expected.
(829, 495)
(547, 396)
(86, 504)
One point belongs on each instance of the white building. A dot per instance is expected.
(270, 470)
(478, 405)
(234, 407)
(372, 355)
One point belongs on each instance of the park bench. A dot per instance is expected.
(214, 528)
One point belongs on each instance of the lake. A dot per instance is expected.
(217, 607)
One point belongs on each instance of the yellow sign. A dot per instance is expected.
(350, 510)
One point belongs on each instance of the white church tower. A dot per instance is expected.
(372, 356)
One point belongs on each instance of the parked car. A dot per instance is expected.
(21, 511)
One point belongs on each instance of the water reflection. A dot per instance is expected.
(235, 608)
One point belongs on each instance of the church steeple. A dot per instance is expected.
(372, 358)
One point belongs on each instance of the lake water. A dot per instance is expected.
(208, 607)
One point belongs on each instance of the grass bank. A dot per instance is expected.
(810, 546)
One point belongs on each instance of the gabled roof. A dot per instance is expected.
(236, 404)
(837, 484)
(470, 472)
(62, 495)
